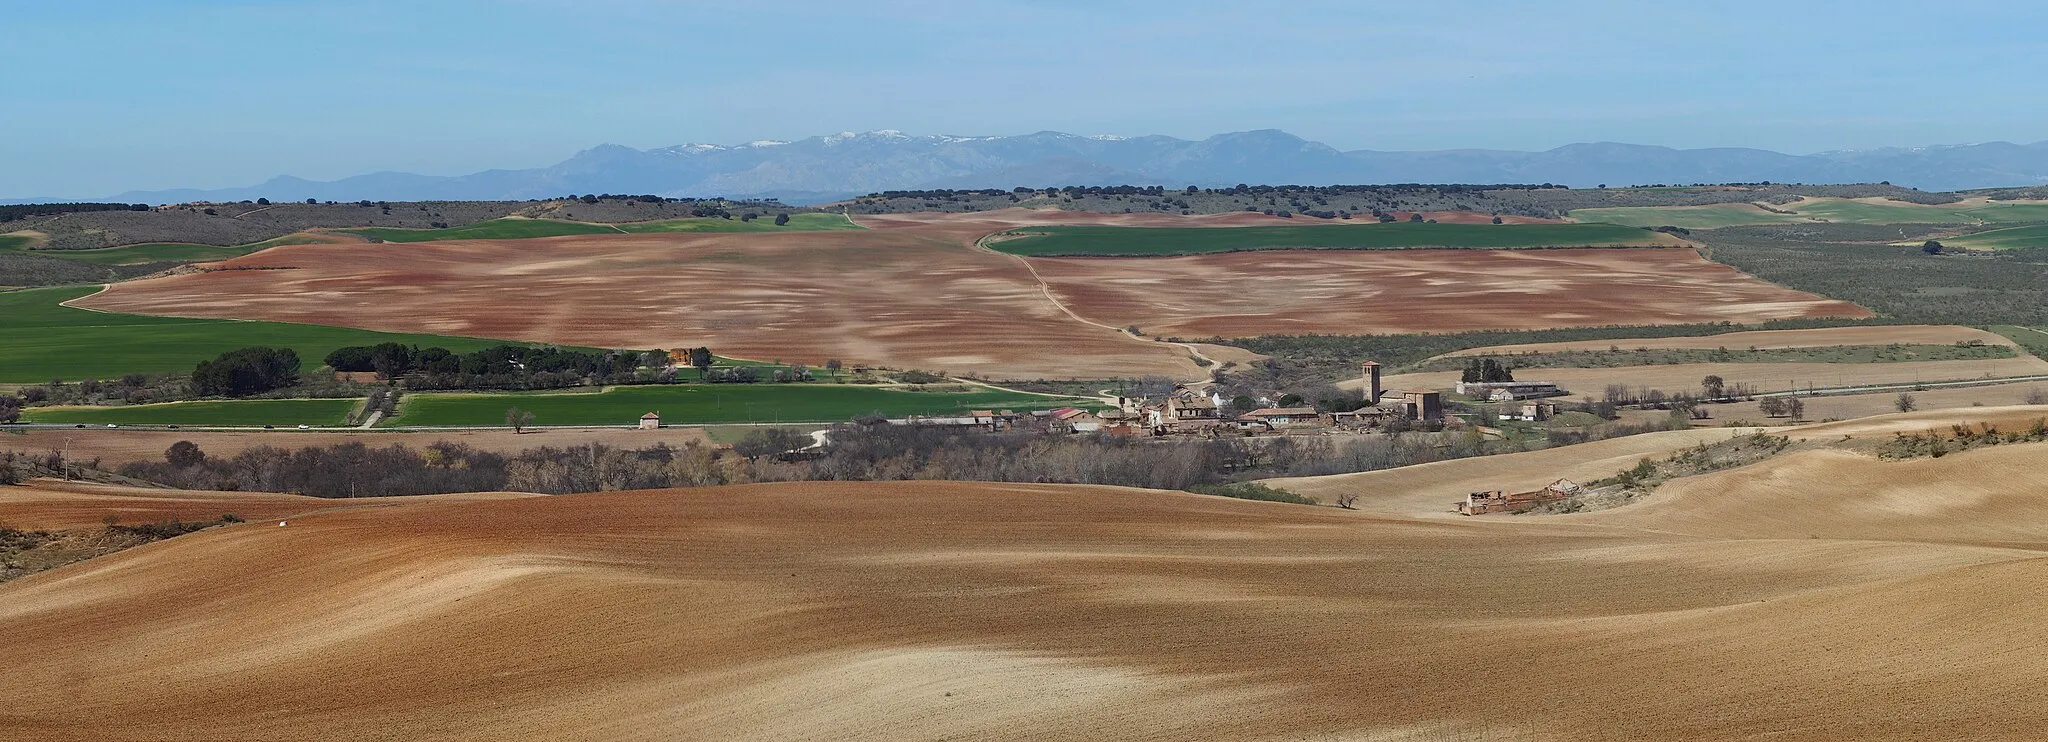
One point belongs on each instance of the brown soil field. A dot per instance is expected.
(53, 504)
(1816, 596)
(912, 292)
(1685, 377)
(135, 444)
(50, 504)
(901, 297)
(1814, 338)
(1361, 292)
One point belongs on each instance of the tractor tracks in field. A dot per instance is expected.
(1045, 289)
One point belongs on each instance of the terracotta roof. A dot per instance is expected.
(1067, 412)
(1269, 411)
(651, 416)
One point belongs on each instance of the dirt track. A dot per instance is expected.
(1818, 596)
(912, 292)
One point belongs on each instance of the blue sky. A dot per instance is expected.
(112, 95)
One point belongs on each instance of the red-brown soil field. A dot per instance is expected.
(1822, 595)
(912, 291)
(1363, 292)
(908, 298)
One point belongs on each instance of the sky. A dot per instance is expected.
(106, 96)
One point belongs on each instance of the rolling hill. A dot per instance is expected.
(1820, 595)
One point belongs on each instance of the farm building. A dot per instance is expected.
(1076, 420)
(1183, 411)
(1497, 501)
(1280, 417)
(1532, 412)
(1509, 391)
(650, 421)
(1416, 404)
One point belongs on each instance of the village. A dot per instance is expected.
(1188, 410)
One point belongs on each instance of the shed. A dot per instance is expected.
(650, 421)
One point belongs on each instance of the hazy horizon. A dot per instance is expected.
(130, 95)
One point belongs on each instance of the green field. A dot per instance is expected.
(696, 404)
(1113, 241)
(1822, 209)
(251, 412)
(15, 241)
(765, 223)
(40, 340)
(2032, 339)
(2002, 239)
(509, 228)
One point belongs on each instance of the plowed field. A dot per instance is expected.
(913, 291)
(1358, 292)
(1818, 596)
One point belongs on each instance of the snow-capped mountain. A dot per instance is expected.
(849, 163)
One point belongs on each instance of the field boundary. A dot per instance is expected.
(1045, 289)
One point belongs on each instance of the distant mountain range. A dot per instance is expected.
(827, 168)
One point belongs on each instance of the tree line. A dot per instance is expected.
(23, 211)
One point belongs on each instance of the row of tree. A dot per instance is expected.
(12, 212)
(246, 371)
(394, 360)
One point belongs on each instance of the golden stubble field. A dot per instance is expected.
(915, 291)
(1822, 595)
(1768, 377)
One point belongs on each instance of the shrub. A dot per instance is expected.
(1253, 491)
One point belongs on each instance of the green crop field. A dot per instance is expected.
(766, 223)
(15, 241)
(1821, 209)
(494, 229)
(2032, 339)
(1115, 241)
(695, 404)
(40, 340)
(1689, 217)
(2002, 239)
(278, 412)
